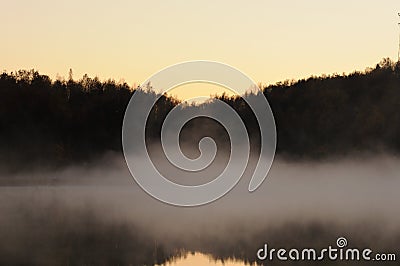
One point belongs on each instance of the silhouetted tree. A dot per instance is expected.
(59, 122)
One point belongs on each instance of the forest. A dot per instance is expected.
(63, 121)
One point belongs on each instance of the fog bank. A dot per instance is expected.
(98, 214)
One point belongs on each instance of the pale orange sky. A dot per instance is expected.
(270, 41)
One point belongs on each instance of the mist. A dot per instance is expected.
(97, 214)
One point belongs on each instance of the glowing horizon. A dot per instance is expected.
(131, 40)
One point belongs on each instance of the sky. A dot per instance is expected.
(270, 41)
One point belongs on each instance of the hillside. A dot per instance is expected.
(58, 122)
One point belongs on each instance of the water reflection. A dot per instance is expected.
(200, 259)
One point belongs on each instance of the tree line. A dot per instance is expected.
(56, 122)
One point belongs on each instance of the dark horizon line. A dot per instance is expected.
(385, 61)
